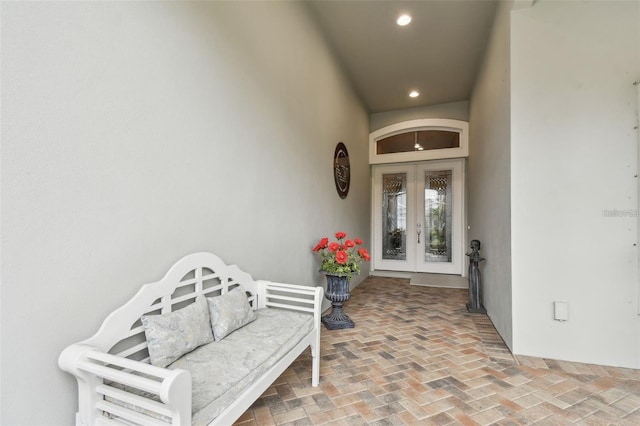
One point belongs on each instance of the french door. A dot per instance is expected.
(418, 212)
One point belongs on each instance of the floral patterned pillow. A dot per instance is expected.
(171, 335)
(229, 312)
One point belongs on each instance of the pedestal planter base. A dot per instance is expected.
(337, 321)
(478, 310)
(337, 293)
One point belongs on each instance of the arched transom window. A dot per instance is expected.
(417, 140)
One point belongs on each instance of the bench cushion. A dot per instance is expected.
(171, 335)
(222, 370)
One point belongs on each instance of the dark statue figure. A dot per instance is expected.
(475, 296)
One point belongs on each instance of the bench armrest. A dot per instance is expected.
(297, 298)
(291, 296)
(146, 394)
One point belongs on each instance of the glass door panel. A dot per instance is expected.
(437, 216)
(394, 216)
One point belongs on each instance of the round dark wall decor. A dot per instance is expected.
(341, 170)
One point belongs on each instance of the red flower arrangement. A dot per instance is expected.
(341, 257)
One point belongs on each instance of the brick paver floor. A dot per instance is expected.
(417, 357)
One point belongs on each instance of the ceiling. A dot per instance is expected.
(438, 54)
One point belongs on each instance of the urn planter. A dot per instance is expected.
(337, 293)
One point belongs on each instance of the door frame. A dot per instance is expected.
(460, 234)
(461, 153)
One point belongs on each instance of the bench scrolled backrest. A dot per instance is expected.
(197, 274)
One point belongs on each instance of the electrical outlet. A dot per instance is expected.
(561, 311)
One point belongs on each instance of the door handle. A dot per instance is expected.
(418, 226)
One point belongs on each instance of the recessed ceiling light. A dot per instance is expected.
(414, 94)
(404, 20)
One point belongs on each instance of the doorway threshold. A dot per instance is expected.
(439, 280)
(391, 274)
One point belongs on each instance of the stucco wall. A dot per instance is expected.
(134, 133)
(573, 160)
(489, 174)
(452, 111)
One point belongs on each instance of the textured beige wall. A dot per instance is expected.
(573, 159)
(134, 133)
(452, 111)
(488, 175)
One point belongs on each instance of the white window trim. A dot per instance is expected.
(458, 126)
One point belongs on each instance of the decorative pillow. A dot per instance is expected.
(229, 312)
(171, 335)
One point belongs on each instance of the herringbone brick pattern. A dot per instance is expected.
(417, 357)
